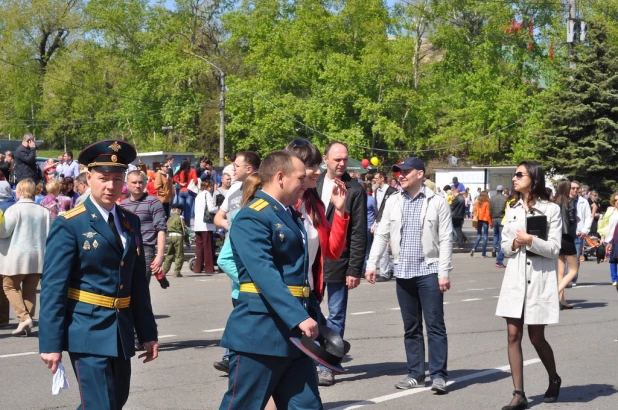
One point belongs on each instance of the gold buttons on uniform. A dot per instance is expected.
(121, 263)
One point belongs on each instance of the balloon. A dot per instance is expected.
(365, 163)
(375, 161)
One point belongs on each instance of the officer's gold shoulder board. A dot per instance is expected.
(258, 205)
(74, 212)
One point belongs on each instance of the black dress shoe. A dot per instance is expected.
(222, 366)
(553, 391)
(381, 278)
(522, 403)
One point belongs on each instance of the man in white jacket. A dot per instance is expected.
(418, 223)
(584, 221)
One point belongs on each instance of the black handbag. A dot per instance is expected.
(208, 217)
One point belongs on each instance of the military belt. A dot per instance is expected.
(99, 300)
(297, 291)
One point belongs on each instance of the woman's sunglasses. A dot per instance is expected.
(519, 175)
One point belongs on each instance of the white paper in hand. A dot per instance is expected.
(60, 380)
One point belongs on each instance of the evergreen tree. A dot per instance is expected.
(580, 137)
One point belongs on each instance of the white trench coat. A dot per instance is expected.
(530, 284)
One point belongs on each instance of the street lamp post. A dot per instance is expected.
(221, 108)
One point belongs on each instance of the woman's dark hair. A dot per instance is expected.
(310, 155)
(185, 166)
(306, 151)
(537, 185)
(562, 193)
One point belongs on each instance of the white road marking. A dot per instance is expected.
(363, 313)
(166, 336)
(213, 330)
(586, 286)
(476, 289)
(17, 354)
(496, 296)
(445, 303)
(404, 393)
(471, 300)
(395, 308)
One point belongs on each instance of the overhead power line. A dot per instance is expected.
(444, 148)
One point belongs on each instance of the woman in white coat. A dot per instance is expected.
(22, 250)
(204, 228)
(529, 293)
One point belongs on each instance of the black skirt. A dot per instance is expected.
(567, 246)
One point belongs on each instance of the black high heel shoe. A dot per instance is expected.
(553, 391)
(521, 404)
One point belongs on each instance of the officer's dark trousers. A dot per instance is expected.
(254, 378)
(103, 381)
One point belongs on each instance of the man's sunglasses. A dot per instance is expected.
(519, 175)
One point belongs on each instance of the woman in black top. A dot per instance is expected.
(568, 252)
(595, 206)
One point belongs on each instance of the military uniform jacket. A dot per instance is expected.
(268, 248)
(82, 253)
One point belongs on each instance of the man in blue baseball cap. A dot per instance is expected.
(94, 290)
(417, 221)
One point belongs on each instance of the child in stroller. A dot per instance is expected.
(593, 248)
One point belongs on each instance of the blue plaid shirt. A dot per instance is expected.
(411, 257)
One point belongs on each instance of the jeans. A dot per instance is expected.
(579, 245)
(185, 199)
(481, 230)
(418, 297)
(497, 236)
(613, 271)
(337, 307)
(498, 243)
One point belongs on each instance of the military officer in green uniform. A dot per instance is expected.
(94, 291)
(269, 245)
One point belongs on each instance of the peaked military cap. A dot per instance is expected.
(108, 156)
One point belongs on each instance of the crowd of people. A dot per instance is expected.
(299, 238)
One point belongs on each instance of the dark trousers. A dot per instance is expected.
(418, 297)
(4, 308)
(103, 381)
(457, 224)
(149, 254)
(166, 208)
(204, 252)
(369, 243)
(253, 379)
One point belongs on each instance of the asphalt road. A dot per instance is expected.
(192, 313)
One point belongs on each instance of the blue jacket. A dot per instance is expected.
(103, 268)
(268, 247)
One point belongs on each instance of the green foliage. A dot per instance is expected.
(581, 122)
(430, 78)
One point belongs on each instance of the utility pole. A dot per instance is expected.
(571, 24)
(221, 107)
